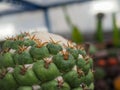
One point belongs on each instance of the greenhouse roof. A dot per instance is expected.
(16, 6)
(49, 15)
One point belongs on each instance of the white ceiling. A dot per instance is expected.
(6, 6)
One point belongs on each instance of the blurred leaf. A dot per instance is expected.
(99, 33)
(116, 33)
(68, 20)
(92, 49)
(99, 73)
(76, 35)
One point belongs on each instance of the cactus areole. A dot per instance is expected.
(44, 61)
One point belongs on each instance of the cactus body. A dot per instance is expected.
(36, 62)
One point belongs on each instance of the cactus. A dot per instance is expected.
(28, 63)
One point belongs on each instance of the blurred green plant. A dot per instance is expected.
(116, 33)
(99, 73)
(99, 35)
(76, 35)
(92, 49)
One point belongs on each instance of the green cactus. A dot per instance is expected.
(22, 57)
(7, 82)
(116, 33)
(99, 35)
(64, 62)
(55, 85)
(45, 70)
(80, 63)
(6, 60)
(77, 88)
(54, 47)
(74, 78)
(25, 88)
(39, 53)
(26, 62)
(89, 78)
(74, 52)
(10, 44)
(25, 76)
(29, 42)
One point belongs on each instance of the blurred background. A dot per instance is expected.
(93, 21)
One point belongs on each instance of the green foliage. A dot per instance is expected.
(75, 32)
(99, 73)
(76, 35)
(116, 33)
(99, 35)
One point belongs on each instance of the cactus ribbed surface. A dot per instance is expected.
(28, 62)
